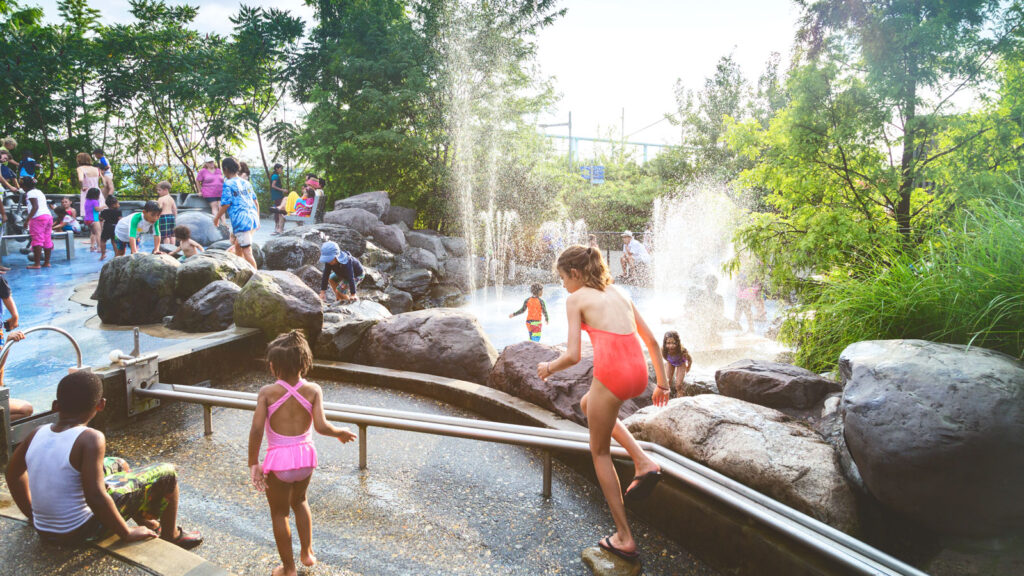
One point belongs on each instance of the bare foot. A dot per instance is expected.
(280, 571)
(33, 267)
(47, 265)
(307, 557)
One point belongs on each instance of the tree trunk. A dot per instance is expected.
(908, 160)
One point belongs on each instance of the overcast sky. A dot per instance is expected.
(608, 55)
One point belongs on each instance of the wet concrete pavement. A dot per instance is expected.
(426, 505)
(24, 554)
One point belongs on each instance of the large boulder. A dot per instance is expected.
(199, 271)
(257, 252)
(398, 214)
(289, 252)
(516, 373)
(379, 258)
(456, 272)
(398, 301)
(200, 225)
(276, 302)
(344, 326)
(355, 218)
(442, 296)
(391, 238)
(137, 289)
(773, 384)
(416, 281)
(441, 341)
(310, 276)
(761, 447)
(937, 432)
(210, 309)
(428, 240)
(455, 247)
(376, 203)
(414, 257)
(348, 239)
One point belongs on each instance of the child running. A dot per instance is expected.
(109, 219)
(678, 360)
(186, 245)
(289, 410)
(91, 209)
(620, 373)
(535, 308)
(40, 224)
(130, 229)
(168, 213)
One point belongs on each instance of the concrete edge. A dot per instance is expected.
(155, 556)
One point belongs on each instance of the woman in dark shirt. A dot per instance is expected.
(339, 266)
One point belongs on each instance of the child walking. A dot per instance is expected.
(168, 213)
(91, 208)
(289, 410)
(40, 224)
(678, 360)
(186, 245)
(109, 219)
(535, 308)
(620, 373)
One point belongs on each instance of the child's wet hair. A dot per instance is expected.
(93, 194)
(182, 233)
(97, 152)
(83, 159)
(28, 183)
(111, 202)
(230, 165)
(536, 289)
(164, 185)
(290, 354)
(151, 207)
(683, 352)
(588, 262)
(79, 392)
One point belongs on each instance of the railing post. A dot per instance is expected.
(546, 492)
(207, 419)
(362, 446)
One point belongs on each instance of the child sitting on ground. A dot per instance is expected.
(289, 410)
(71, 493)
(678, 360)
(109, 219)
(186, 245)
(534, 307)
(164, 233)
(130, 229)
(68, 221)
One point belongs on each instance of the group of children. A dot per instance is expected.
(283, 202)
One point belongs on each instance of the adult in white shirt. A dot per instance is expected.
(636, 259)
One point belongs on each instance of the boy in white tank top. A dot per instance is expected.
(78, 494)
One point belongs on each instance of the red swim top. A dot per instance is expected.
(619, 362)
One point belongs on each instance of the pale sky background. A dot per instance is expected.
(607, 55)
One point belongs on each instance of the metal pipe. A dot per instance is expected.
(808, 532)
(9, 343)
(207, 420)
(362, 446)
(546, 491)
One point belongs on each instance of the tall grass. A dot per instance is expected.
(962, 285)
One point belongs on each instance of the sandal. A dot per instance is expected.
(606, 544)
(644, 486)
(187, 540)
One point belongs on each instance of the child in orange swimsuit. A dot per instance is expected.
(289, 410)
(535, 309)
(620, 373)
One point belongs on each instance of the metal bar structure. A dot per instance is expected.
(853, 555)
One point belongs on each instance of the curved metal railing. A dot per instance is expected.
(7, 345)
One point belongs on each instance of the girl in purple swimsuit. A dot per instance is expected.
(678, 360)
(289, 410)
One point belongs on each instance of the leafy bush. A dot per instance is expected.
(964, 285)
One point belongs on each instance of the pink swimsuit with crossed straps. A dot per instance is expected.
(290, 458)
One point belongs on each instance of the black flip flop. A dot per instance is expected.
(644, 486)
(606, 544)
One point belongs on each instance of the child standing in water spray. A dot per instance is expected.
(678, 360)
(289, 410)
(620, 373)
(535, 309)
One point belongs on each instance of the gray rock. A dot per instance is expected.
(200, 225)
(937, 432)
(355, 218)
(758, 446)
(378, 258)
(429, 240)
(276, 302)
(350, 240)
(373, 279)
(397, 214)
(516, 373)
(773, 384)
(456, 272)
(137, 289)
(209, 310)
(398, 301)
(401, 226)
(344, 326)
(442, 296)
(416, 282)
(695, 386)
(391, 238)
(443, 342)
(310, 276)
(376, 203)
(456, 247)
(604, 563)
(287, 253)
(257, 252)
(202, 269)
(414, 257)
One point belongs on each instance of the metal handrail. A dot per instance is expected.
(831, 543)
(9, 343)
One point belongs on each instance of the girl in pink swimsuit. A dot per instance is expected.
(289, 410)
(620, 373)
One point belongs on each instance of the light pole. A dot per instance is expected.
(569, 124)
